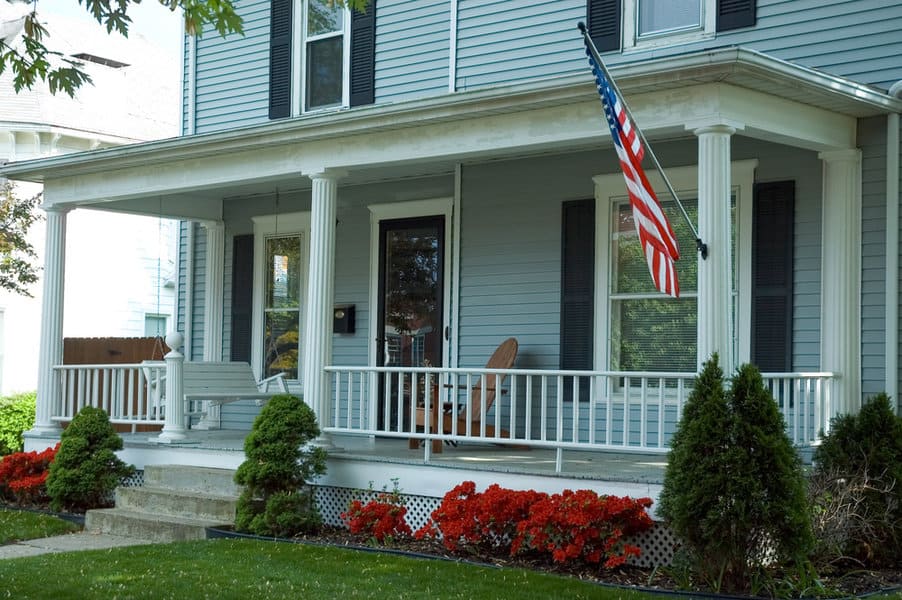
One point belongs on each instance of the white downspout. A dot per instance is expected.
(892, 248)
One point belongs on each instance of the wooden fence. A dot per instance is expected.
(114, 350)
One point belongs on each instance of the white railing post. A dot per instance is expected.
(174, 428)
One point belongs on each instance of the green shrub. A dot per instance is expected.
(734, 491)
(86, 469)
(16, 417)
(857, 486)
(276, 499)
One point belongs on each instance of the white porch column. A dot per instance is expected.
(50, 351)
(213, 321)
(320, 291)
(841, 275)
(715, 296)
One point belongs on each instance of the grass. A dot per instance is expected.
(229, 568)
(18, 525)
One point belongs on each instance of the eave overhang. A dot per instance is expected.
(733, 67)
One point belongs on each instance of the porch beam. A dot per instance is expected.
(841, 275)
(573, 125)
(50, 351)
(320, 292)
(715, 323)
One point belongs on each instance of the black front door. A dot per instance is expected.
(410, 328)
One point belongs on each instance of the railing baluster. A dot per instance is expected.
(574, 407)
(643, 413)
(626, 411)
(660, 444)
(512, 426)
(609, 412)
(544, 408)
(528, 431)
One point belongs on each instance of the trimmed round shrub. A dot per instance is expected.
(86, 469)
(277, 499)
(857, 485)
(16, 417)
(734, 490)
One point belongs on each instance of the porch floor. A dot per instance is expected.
(635, 468)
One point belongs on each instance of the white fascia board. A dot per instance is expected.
(665, 76)
(568, 126)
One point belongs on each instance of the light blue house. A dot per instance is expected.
(373, 203)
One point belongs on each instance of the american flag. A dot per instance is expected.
(655, 234)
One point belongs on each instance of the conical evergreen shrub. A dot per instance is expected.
(86, 469)
(276, 499)
(734, 492)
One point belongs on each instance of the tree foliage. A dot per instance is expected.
(31, 60)
(17, 256)
(734, 491)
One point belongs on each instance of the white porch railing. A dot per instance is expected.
(634, 412)
(129, 393)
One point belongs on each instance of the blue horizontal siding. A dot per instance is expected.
(412, 48)
(233, 73)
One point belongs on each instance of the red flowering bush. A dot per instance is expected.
(23, 476)
(383, 517)
(470, 518)
(582, 525)
(569, 526)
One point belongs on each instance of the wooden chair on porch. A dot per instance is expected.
(503, 358)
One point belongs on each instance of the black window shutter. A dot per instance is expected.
(734, 14)
(280, 59)
(603, 18)
(577, 289)
(363, 55)
(772, 260)
(242, 296)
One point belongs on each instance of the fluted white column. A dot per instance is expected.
(841, 275)
(213, 289)
(50, 351)
(715, 296)
(213, 321)
(320, 292)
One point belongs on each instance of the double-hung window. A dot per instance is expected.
(324, 52)
(641, 329)
(321, 56)
(644, 24)
(280, 250)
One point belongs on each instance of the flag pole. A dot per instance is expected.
(700, 246)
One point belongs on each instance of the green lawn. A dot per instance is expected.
(18, 525)
(228, 568)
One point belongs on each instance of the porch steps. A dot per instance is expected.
(175, 503)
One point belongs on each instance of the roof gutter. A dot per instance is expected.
(713, 65)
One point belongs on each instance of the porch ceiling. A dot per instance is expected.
(188, 177)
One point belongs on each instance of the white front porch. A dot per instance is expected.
(335, 168)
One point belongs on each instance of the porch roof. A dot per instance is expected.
(426, 136)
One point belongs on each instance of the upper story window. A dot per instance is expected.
(656, 17)
(666, 22)
(639, 24)
(321, 56)
(324, 52)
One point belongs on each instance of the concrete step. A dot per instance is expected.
(126, 523)
(207, 480)
(169, 502)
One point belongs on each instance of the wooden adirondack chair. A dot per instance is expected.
(503, 358)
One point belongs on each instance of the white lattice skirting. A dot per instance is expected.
(656, 544)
